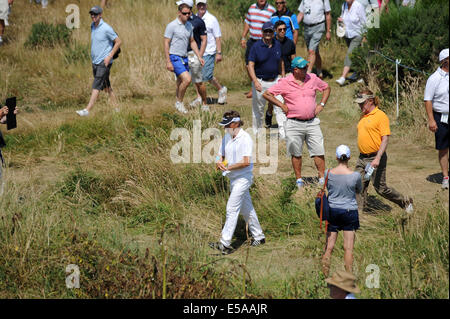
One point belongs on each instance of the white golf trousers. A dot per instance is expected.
(240, 202)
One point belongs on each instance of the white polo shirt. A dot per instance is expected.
(354, 19)
(212, 31)
(436, 91)
(235, 149)
(314, 10)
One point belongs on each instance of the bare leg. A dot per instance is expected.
(183, 81)
(104, 3)
(349, 240)
(201, 90)
(311, 59)
(443, 161)
(320, 165)
(216, 84)
(326, 258)
(345, 71)
(94, 96)
(2, 27)
(112, 96)
(297, 165)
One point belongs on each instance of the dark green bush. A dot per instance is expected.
(48, 35)
(413, 35)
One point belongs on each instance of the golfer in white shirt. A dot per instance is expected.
(234, 160)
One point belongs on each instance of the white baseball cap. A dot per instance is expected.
(443, 55)
(200, 1)
(342, 150)
(188, 2)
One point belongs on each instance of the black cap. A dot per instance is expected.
(96, 10)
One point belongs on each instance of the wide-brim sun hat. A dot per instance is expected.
(344, 280)
(340, 29)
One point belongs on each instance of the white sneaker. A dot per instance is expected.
(222, 95)
(196, 102)
(445, 183)
(205, 108)
(409, 208)
(1, 41)
(341, 81)
(83, 112)
(6, 23)
(180, 107)
(361, 81)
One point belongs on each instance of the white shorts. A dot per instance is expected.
(4, 7)
(195, 68)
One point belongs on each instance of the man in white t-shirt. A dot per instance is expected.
(436, 105)
(213, 52)
(315, 14)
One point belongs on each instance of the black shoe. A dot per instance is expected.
(258, 242)
(223, 249)
(268, 120)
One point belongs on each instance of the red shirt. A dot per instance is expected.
(300, 99)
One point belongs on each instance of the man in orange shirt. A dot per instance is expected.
(373, 137)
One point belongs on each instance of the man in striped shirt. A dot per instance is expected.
(258, 13)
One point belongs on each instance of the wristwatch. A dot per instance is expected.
(323, 104)
(220, 52)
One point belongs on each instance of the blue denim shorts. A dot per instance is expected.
(343, 219)
(208, 68)
(180, 64)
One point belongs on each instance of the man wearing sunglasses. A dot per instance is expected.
(104, 44)
(178, 35)
(289, 18)
(315, 14)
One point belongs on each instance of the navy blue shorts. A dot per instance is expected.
(441, 135)
(343, 219)
(180, 64)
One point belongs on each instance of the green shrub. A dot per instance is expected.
(77, 53)
(47, 35)
(413, 35)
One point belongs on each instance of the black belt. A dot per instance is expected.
(268, 79)
(300, 120)
(368, 155)
(314, 24)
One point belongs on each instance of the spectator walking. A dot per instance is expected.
(287, 54)
(235, 161)
(288, 17)
(354, 18)
(373, 138)
(104, 45)
(258, 14)
(44, 3)
(104, 3)
(3, 112)
(299, 94)
(195, 66)
(177, 36)
(342, 285)
(213, 52)
(316, 17)
(436, 106)
(342, 185)
(264, 65)
(4, 11)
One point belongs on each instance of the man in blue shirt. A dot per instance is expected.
(289, 18)
(264, 66)
(104, 44)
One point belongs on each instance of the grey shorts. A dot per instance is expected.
(101, 76)
(299, 132)
(313, 35)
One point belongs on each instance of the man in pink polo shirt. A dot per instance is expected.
(299, 93)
